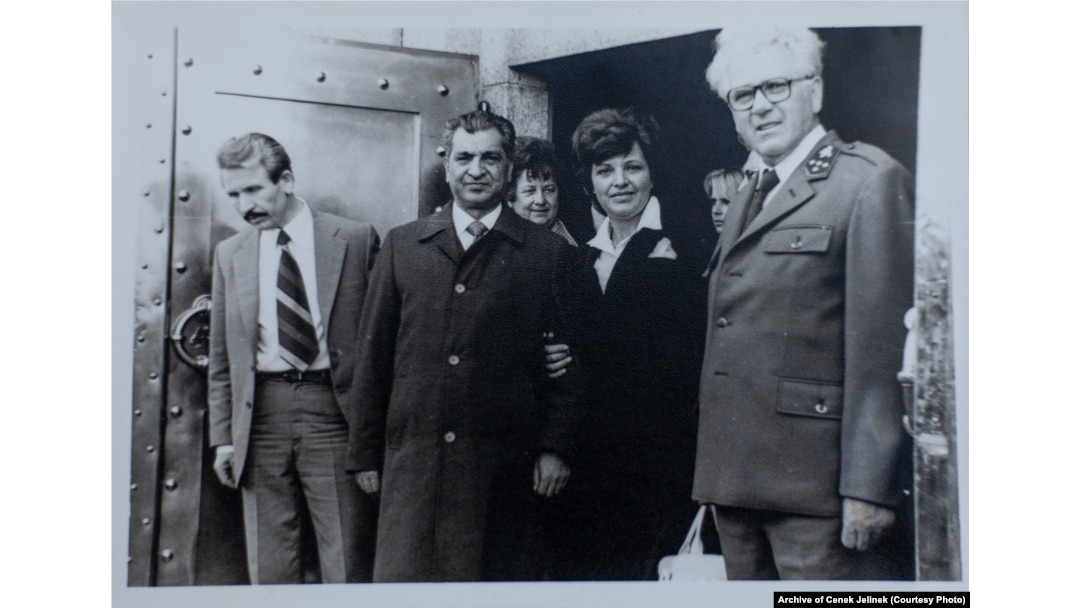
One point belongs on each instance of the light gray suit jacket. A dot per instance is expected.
(344, 254)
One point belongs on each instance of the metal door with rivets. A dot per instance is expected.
(362, 124)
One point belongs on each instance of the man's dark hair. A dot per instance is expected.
(236, 152)
(476, 121)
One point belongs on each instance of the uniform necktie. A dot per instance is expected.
(296, 330)
(769, 180)
(477, 229)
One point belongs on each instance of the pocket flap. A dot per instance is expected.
(798, 239)
(809, 398)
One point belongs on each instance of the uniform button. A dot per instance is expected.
(449, 437)
(454, 360)
(721, 322)
(460, 288)
(820, 407)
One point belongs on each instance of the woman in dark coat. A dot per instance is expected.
(628, 501)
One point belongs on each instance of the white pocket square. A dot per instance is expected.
(663, 250)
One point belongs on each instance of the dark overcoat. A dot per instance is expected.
(800, 404)
(452, 403)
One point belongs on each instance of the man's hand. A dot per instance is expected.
(557, 357)
(864, 524)
(223, 466)
(368, 481)
(549, 475)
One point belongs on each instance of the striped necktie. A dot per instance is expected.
(296, 330)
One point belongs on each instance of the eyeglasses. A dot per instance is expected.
(775, 90)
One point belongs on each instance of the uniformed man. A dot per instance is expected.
(801, 441)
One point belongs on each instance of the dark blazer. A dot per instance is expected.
(451, 400)
(800, 404)
(344, 253)
(643, 342)
(628, 500)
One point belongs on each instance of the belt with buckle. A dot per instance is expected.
(321, 376)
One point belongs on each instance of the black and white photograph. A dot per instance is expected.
(538, 304)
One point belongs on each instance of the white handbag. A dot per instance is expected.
(692, 563)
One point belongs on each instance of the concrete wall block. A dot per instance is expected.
(529, 108)
(384, 36)
(464, 41)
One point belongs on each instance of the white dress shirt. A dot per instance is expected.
(301, 231)
(463, 219)
(791, 162)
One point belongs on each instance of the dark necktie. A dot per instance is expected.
(768, 181)
(296, 329)
(477, 229)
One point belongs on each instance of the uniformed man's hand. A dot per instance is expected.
(864, 524)
(557, 357)
(549, 475)
(368, 481)
(223, 465)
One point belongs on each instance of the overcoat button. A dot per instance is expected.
(821, 408)
(167, 555)
(721, 322)
(454, 360)
(460, 288)
(170, 484)
(450, 437)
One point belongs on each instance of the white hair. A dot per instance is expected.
(735, 45)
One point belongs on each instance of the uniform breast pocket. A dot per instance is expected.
(798, 239)
(809, 398)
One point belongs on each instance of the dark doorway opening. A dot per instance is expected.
(871, 81)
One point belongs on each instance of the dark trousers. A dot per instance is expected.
(769, 545)
(296, 468)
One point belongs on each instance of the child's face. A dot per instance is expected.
(723, 190)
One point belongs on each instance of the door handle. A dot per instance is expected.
(191, 334)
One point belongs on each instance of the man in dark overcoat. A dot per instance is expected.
(801, 442)
(453, 419)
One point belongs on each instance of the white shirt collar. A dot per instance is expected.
(462, 220)
(301, 230)
(650, 218)
(791, 162)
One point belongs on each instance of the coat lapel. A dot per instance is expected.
(789, 196)
(245, 264)
(329, 256)
(440, 230)
(794, 192)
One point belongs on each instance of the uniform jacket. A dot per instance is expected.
(344, 253)
(451, 400)
(800, 404)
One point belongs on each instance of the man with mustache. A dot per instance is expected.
(287, 301)
(801, 443)
(454, 420)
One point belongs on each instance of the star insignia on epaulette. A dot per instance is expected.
(820, 161)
